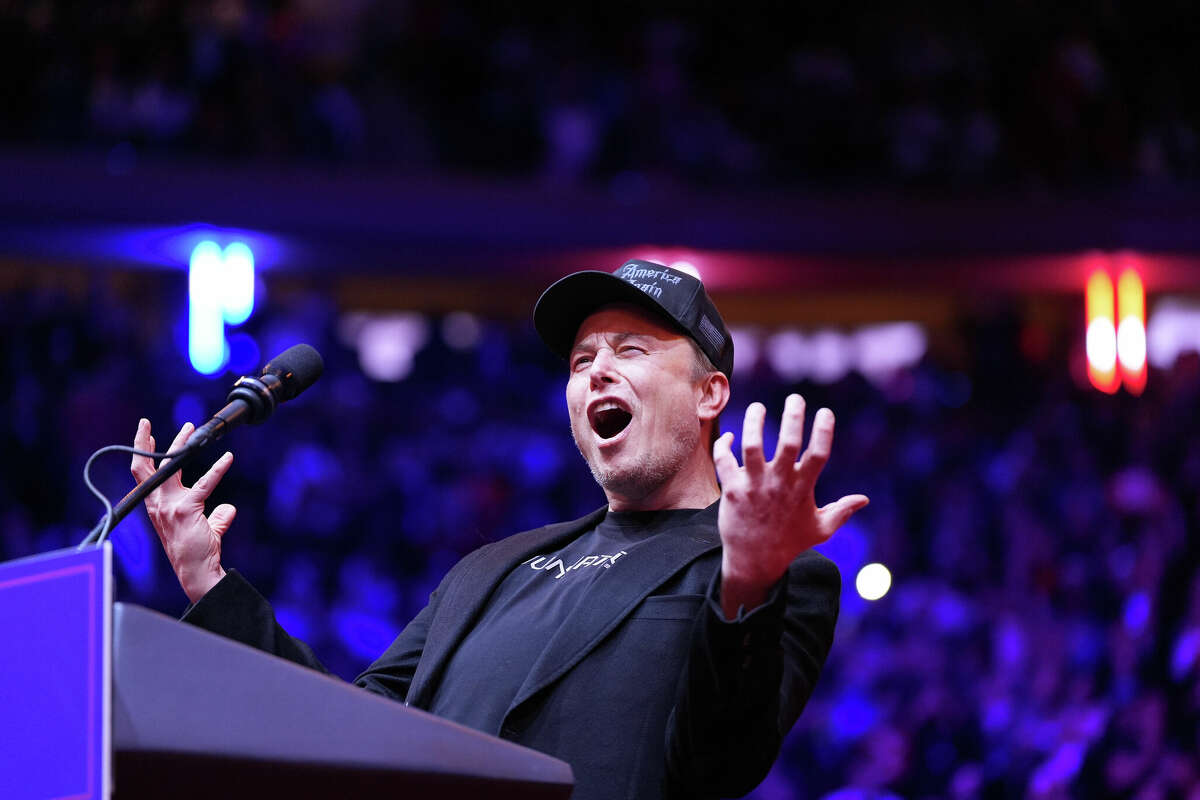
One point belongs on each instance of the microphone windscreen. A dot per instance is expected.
(297, 368)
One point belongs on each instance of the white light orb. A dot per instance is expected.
(1102, 344)
(873, 581)
(1131, 344)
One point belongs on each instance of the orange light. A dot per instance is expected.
(1101, 333)
(1131, 330)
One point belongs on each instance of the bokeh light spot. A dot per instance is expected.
(873, 581)
(461, 330)
(1102, 344)
(188, 408)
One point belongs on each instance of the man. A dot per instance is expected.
(662, 645)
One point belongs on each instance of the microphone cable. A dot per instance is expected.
(104, 527)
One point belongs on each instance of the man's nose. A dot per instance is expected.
(603, 368)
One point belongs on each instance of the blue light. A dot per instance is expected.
(540, 460)
(244, 354)
(188, 408)
(296, 621)
(206, 316)
(238, 283)
(220, 292)
(850, 550)
(852, 715)
(362, 634)
(1137, 612)
(132, 541)
(173, 246)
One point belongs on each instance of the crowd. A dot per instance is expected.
(1041, 638)
(800, 94)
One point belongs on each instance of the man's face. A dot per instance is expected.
(633, 398)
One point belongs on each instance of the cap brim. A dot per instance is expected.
(564, 306)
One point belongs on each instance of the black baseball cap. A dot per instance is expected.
(668, 293)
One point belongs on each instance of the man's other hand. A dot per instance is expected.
(191, 540)
(768, 512)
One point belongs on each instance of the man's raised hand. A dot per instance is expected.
(191, 540)
(768, 512)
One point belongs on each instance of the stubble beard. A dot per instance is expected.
(645, 476)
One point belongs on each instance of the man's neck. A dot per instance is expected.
(690, 488)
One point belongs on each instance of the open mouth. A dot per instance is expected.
(609, 419)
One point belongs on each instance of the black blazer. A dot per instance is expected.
(646, 691)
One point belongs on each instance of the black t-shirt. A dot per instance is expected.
(526, 610)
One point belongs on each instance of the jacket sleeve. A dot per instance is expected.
(234, 609)
(747, 680)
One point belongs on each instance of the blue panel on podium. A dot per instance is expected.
(55, 667)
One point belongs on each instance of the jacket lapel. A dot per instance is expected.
(624, 585)
(477, 576)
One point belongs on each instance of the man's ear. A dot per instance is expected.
(714, 395)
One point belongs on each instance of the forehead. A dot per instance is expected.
(622, 319)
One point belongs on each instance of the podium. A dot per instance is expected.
(187, 713)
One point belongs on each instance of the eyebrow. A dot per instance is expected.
(617, 338)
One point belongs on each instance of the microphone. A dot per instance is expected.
(252, 400)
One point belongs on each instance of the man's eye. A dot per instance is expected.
(581, 361)
(632, 349)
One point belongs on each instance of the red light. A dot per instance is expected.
(1101, 333)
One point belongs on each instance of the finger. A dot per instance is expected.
(175, 482)
(202, 488)
(141, 466)
(180, 440)
(723, 458)
(837, 513)
(752, 438)
(221, 518)
(819, 445)
(791, 433)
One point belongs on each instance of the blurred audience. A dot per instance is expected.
(1041, 638)
(927, 94)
